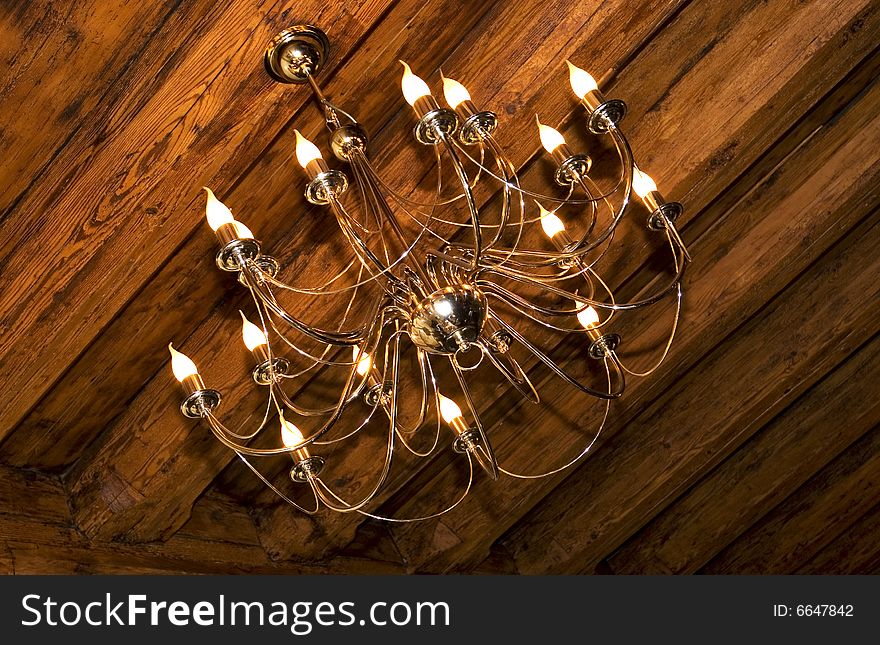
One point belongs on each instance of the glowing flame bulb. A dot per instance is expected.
(642, 183)
(589, 317)
(216, 211)
(243, 231)
(306, 151)
(290, 435)
(364, 363)
(449, 409)
(413, 87)
(551, 224)
(181, 364)
(550, 137)
(581, 81)
(252, 335)
(454, 92)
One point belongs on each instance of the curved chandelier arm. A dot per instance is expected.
(379, 320)
(668, 345)
(524, 191)
(277, 491)
(327, 337)
(220, 430)
(615, 306)
(482, 451)
(526, 308)
(513, 373)
(427, 374)
(580, 456)
(469, 197)
(403, 520)
(613, 393)
(365, 255)
(317, 484)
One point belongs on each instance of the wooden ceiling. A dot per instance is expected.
(755, 448)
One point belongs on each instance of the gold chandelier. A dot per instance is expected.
(432, 290)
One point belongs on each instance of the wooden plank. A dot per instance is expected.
(169, 462)
(516, 96)
(761, 474)
(64, 62)
(105, 219)
(811, 518)
(855, 551)
(37, 537)
(758, 264)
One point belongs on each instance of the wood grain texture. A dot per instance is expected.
(835, 497)
(855, 551)
(760, 116)
(762, 472)
(37, 537)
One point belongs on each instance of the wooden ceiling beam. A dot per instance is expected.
(476, 523)
(63, 63)
(812, 518)
(856, 551)
(122, 195)
(761, 473)
(37, 536)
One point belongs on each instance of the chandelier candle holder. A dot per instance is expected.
(446, 282)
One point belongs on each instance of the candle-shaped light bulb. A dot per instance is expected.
(550, 222)
(181, 365)
(449, 410)
(364, 361)
(252, 335)
(306, 151)
(550, 137)
(290, 435)
(642, 183)
(243, 231)
(216, 211)
(413, 87)
(589, 317)
(454, 92)
(581, 81)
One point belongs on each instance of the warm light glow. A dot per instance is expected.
(413, 87)
(181, 364)
(364, 363)
(252, 335)
(443, 308)
(454, 92)
(581, 81)
(550, 137)
(242, 231)
(306, 151)
(290, 435)
(216, 211)
(449, 409)
(551, 224)
(589, 317)
(642, 183)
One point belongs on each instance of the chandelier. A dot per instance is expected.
(430, 285)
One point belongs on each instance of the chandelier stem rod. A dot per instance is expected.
(469, 196)
(363, 174)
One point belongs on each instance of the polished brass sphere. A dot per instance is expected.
(449, 319)
(346, 139)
